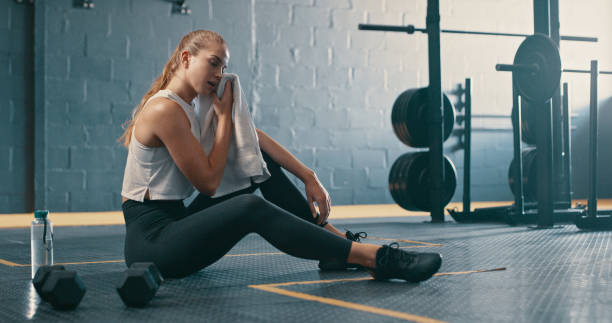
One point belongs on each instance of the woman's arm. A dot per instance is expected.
(170, 125)
(315, 192)
(284, 158)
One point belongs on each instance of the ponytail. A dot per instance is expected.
(193, 42)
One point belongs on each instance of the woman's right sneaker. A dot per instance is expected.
(392, 262)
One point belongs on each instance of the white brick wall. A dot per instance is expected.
(316, 84)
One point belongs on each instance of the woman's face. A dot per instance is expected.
(205, 69)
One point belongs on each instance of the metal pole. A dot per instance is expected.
(544, 142)
(467, 152)
(567, 143)
(541, 17)
(592, 207)
(436, 112)
(560, 177)
(544, 159)
(519, 199)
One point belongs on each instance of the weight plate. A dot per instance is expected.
(404, 180)
(528, 122)
(411, 171)
(530, 175)
(396, 181)
(398, 115)
(409, 117)
(542, 51)
(393, 181)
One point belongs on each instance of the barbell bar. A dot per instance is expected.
(410, 29)
(535, 68)
(531, 68)
(585, 71)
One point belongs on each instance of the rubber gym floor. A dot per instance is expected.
(490, 273)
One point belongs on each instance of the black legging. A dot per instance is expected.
(182, 240)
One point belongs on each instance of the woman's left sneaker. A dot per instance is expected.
(333, 264)
(392, 262)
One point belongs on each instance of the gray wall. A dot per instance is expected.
(98, 64)
(16, 107)
(316, 84)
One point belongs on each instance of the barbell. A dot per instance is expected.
(536, 69)
(410, 29)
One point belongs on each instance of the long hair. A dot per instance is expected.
(193, 42)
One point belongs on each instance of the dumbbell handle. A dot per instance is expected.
(534, 68)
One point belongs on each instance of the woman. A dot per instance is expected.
(166, 162)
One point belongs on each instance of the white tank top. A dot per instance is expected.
(153, 169)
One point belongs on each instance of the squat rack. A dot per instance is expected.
(542, 23)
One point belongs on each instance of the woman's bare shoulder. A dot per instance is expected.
(164, 111)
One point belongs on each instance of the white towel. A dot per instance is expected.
(244, 159)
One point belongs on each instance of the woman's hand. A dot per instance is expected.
(223, 106)
(315, 192)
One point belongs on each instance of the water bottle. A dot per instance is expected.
(41, 244)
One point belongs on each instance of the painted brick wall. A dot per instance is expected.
(316, 84)
(99, 63)
(16, 106)
(335, 85)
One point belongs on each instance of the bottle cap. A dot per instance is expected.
(41, 214)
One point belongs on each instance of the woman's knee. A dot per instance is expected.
(256, 207)
(248, 201)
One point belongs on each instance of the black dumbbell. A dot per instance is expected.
(139, 285)
(159, 279)
(41, 275)
(63, 289)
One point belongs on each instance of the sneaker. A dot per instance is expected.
(334, 264)
(392, 262)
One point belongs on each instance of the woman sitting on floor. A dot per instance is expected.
(166, 161)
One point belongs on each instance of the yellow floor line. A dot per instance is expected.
(424, 245)
(407, 241)
(12, 264)
(274, 288)
(329, 281)
(470, 272)
(90, 262)
(256, 254)
(350, 305)
(360, 211)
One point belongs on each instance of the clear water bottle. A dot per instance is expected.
(41, 240)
